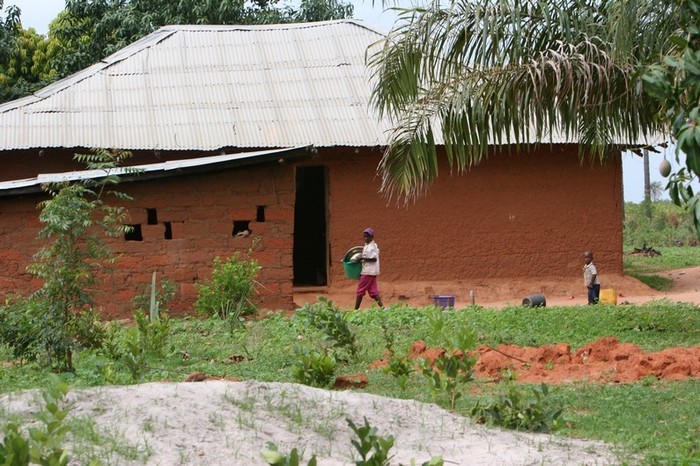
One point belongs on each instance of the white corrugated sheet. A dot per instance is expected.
(208, 87)
(63, 177)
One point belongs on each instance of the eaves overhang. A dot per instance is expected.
(140, 173)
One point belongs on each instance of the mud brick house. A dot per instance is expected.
(265, 132)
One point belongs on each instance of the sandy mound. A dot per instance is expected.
(220, 422)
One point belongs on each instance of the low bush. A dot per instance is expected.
(228, 293)
(327, 317)
(519, 407)
(314, 368)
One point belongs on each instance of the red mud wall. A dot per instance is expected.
(201, 210)
(515, 215)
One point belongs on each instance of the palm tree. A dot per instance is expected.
(515, 72)
(656, 190)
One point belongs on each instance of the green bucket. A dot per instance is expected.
(352, 269)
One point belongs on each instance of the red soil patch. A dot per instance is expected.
(606, 361)
(351, 381)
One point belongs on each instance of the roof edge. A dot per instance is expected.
(159, 170)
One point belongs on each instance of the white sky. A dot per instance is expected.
(38, 13)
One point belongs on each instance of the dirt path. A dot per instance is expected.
(498, 293)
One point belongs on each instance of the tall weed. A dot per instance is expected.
(327, 317)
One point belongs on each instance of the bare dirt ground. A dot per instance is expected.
(216, 422)
(498, 293)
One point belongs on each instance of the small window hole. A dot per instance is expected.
(260, 216)
(241, 228)
(133, 233)
(152, 217)
(168, 230)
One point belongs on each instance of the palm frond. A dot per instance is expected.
(513, 72)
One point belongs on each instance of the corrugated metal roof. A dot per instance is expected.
(208, 87)
(147, 171)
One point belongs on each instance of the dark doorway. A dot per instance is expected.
(310, 227)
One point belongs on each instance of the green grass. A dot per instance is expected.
(646, 269)
(652, 418)
(658, 420)
(671, 258)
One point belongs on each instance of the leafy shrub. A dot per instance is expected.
(374, 450)
(401, 370)
(314, 368)
(152, 333)
(133, 355)
(130, 346)
(88, 329)
(388, 334)
(228, 291)
(521, 407)
(163, 294)
(327, 317)
(19, 326)
(455, 367)
(14, 449)
(44, 445)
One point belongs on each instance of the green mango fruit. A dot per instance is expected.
(665, 168)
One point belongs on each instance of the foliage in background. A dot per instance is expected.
(227, 294)
(674, 81)
(669, 232)
(9, 29)
(670, 225)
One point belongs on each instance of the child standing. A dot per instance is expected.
(590, 278)
(370, 270)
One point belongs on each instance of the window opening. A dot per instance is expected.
(168, 230)
(241, 228)
(133, 233)
(260, 216)
(152, 217)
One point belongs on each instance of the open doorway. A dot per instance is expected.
(310, 227)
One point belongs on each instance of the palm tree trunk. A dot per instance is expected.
(647, 185)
